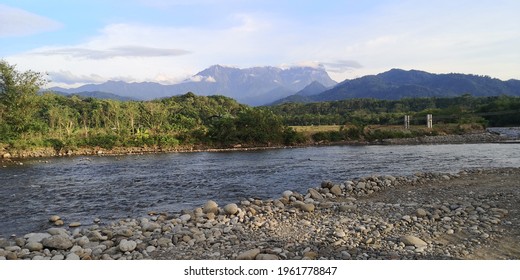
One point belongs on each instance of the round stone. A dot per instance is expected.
(231, 209)
(34, 246)
(75, 224)
(210, 207)
(127, 245)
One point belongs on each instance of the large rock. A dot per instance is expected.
(410, 240)
(6, 155)
(60, 242)
(231, 209)
(210, 207)
(249, 254)
(127, 245)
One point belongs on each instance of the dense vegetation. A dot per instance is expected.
(492, 111)
(29, 119)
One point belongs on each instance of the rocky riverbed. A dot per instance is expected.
(473, 214)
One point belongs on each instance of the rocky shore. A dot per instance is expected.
(473, 214)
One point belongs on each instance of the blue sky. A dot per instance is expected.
(92, 41)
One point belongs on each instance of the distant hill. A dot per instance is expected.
(396, 84)
(96, 94)
(253, 86)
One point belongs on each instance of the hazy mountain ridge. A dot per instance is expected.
(253, 86)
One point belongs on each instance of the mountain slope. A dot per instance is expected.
(396, 84)
(253, 86)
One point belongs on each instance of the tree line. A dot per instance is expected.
(488, 111)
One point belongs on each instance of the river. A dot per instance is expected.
(114, 187)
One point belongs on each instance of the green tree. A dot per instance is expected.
(18, 99)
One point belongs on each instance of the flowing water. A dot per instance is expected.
(114, 187)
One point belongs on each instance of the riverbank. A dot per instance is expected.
(469, 215)
(489, 136)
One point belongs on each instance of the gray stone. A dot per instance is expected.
(210, 207)
(34, 246)
(287, 194)
(411, 240)
(249, 254)
(421, 212)
(58, 257)
(336, 190)
(266, 257)
(150, 226)
(72, 257)
(307, 207)
(36, 237)
(95, 236)
(360, 185)
(121, 231)
(74, 224)
(54, 218)
(340, 234)
(127, 245)
(315, 194)
(231, 209)
(57, 242)
(185, 218)
(58, 231)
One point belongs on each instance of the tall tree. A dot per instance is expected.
(18, 94)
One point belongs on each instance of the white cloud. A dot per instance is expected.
(18, 22)
(121, 51)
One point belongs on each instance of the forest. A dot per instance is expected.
(30, 118)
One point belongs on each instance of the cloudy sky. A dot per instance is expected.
(166, 41)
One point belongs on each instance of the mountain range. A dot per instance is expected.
(252, 86)
(272, 85)
(396, 84)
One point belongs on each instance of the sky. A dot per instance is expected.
(167, 41)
